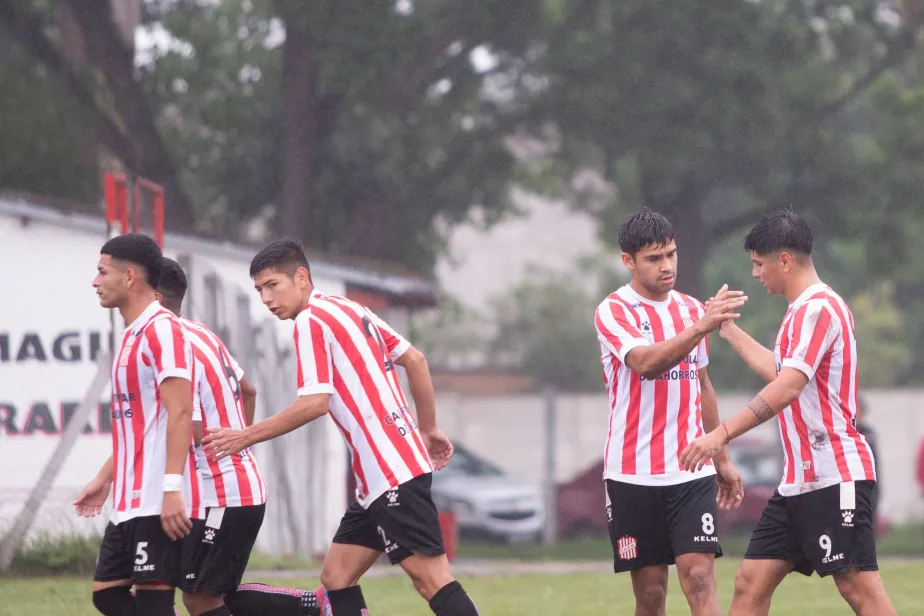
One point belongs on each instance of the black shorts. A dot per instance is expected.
(138, 550)
(652, 525)
(825, 531)
(401, 522)
(216, 556)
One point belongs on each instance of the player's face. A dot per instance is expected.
(109, 282)
(655, 267)
(767, 269)
(282, 293)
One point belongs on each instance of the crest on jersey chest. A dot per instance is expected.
(127, 349)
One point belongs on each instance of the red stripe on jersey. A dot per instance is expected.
(847, 370)
(321, 358)
(818, 336)
(808, 466)
(633, 417)
(659, 422)
(193, 483)
(371, 391)
(119, 462)
(344, 392)
(176, 331)
(627, 311)
(787, 446)
(300, 382)
(354, 459)
(683, 417)
(822, 382)
(614, 393)
(134, 385)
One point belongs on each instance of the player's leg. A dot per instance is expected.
(773, 552)
(839, 537)
(691, 514)
(112, 581)
(355, 547)
(640, 535)
(156, 566)
(410, 530)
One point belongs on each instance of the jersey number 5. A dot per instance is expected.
(372, 331)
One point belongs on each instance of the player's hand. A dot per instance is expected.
(439, 447)
(92, 498)
(700, 451)
(731, 487)
(173, 516)
(224, 442)
(722, 307)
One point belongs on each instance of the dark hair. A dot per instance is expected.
(645, 228)
(780, 230)
(282, 255)
(140, 250)
(173, 283)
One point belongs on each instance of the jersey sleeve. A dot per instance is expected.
(313, 352)
(813, 333)
(616, 330)
(169, 350)
(395, 343)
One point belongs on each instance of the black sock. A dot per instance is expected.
(259, 599)
(115, 601)
(452, 600)
(347, 601)
(155, 602)
(218, 611)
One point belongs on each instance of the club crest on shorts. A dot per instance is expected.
(627, 548)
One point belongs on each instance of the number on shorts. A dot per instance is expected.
(384, 538)
(825, 542)
(141, 555)
(708, 524)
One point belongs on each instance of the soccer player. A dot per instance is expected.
(654, 352)
(346, 366)
(151, 433)
(820, 518)
(232, 488)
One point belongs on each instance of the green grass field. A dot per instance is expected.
(527, 595)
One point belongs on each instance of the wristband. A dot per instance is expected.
(173, 483)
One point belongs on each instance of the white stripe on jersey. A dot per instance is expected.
(234, 481)
(821, 444)
(153, 348)
(346, 350)
(651, 421)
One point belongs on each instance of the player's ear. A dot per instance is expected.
(629, 261)
(786, 261)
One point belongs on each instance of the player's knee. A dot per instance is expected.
(651, 597)
(745, 584)
(114, 600)
(700, 584)
(334, 580)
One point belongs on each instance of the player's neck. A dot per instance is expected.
(799, 283)
(644, 293)
(135, 305)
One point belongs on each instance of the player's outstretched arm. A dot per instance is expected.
(758, 357)
(772, 399)
(249, 398)
(225, 442)
(420, 382)
(730, 492)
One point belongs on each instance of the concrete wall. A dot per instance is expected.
(511, 432)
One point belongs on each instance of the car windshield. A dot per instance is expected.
(757, 466)
(464, 462)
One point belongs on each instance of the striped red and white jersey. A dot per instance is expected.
(651, 420)
(348, 352)
(234, 481)
(821, 443)
(154, 347)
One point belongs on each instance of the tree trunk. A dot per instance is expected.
(107, 51)
(683, 208)
(297, 126)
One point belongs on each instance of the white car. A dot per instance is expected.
(487, 503)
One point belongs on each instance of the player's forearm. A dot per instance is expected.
(179, 435)
(304, 410)
(250, 407)
(652, 360)
(105, 472)
(758, 357)
(765, 406)
(421, 386)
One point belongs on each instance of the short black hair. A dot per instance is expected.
(780, 230)
(173, 283)
(645, 228)
(282, 255)
(140, 250)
